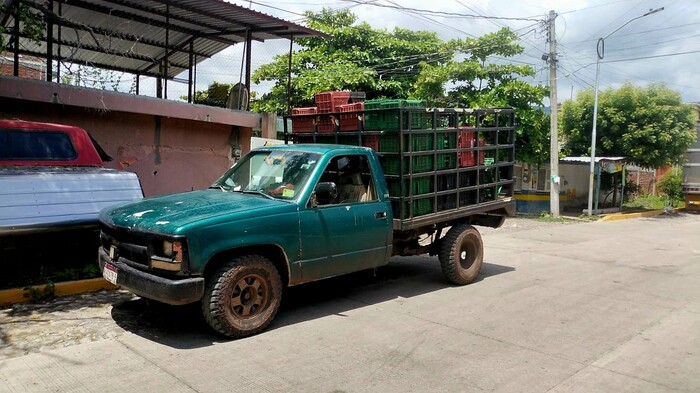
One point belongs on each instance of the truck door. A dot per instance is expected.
(349, 231)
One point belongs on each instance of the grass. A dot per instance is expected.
(650, 202)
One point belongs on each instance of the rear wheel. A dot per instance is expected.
(243, 296)
(461, 254)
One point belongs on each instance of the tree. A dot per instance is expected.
(474, 82)
(353, 57)
(650, 125)
(32, 24)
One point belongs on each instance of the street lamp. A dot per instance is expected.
(600, 49)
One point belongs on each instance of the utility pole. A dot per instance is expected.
(554, 141)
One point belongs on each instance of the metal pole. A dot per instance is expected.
(600, 49)
(553, 125)
(248, 52)
(15, 66)
(189, 74)
(58, 62)
(49, 45)
(289, 77)
(167, 44)
(593, 134)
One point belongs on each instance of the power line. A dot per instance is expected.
(445, 14)
(652, 57)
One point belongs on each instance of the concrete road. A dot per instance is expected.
(594, 307)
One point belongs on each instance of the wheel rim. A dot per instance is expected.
(250, 296)
(467, 253)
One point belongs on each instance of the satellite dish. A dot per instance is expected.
(238, 97)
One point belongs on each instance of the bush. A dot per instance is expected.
(670, 184)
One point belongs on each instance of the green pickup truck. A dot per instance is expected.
(292, 214)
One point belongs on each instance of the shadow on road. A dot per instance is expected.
(184, 327)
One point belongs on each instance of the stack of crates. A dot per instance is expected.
(350, 122)
(384, 115)
(467, 140)
(303, 123)
(328, 102)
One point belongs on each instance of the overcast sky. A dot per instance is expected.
(661, 47)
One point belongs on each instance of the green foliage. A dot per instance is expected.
(651, 202)
(36, 295)
(472, 82)
(650, 126)
(32, 24)
(671, 184)
(354, 57)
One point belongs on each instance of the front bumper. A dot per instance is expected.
(175, 292)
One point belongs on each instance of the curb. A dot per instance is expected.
(624, 216)
(20, 295)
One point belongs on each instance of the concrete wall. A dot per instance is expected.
(169, 155)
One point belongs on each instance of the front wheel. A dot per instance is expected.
(243, 296)
(461, 254)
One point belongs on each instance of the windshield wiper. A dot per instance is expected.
(219, 187)
(256, 192)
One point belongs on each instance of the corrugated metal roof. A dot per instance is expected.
(130, 35)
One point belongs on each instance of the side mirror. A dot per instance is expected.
(324, 193)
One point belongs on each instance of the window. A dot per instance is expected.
(35, 145)
(353, 178)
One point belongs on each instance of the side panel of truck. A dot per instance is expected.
(691, 174)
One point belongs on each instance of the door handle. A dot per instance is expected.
(380, 215)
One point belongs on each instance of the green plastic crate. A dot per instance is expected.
(389, 143)
(446, 160)
(388, 120)
(420, 142)
(421, 186)
(420, 207)
(391, 165)
(422, 164)
(448, 139)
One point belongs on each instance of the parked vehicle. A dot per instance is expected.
(291, 214)
(52, 180)
(691, 174)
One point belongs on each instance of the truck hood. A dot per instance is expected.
(170, 214)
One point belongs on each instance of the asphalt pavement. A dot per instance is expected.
(589, 307)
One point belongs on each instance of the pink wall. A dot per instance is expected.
(190, 154)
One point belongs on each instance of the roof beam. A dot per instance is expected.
(150, 67)
(93, 64)
(100, 49)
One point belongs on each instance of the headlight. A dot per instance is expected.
(169, 255)
(168, 249)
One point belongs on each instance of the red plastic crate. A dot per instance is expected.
(306, 123)
(350, 122)
(326, 123)
(328, 101)
(371, 141)
(467, 139)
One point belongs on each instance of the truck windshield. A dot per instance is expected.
(279, 174)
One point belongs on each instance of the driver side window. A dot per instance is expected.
(352, 176)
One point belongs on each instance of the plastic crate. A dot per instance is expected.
(326, 123)
(357, 96)
(350, 122)
(446, 182)
(446, 161)
(328, 101)
(422, 164)
(420, 142)
(421, 186)
(371, 141)
(388, 119)
(389, 143)
(446, 202)
(420, 207)
(306, 123)
(448, 140)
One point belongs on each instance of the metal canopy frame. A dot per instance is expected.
(155, 38)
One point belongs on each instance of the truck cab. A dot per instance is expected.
(281, 216)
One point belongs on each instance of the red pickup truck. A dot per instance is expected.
(52, 187)
(26, 143)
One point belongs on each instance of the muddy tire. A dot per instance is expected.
(242, 297)
(461, 254)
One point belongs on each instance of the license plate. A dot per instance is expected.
(110, 273)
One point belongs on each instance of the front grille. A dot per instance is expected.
(131, 246)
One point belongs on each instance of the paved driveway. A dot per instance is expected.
(593, 307)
